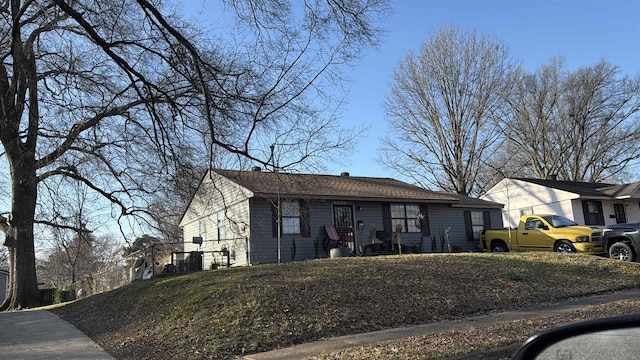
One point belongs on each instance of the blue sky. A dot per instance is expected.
(583, 32)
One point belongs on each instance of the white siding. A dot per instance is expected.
(518, 196)
(218, 194)
(631, 208)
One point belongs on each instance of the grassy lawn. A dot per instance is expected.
(225, 313)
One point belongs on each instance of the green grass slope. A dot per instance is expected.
(225, 313)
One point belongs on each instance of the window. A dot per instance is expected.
(220, 223)
(477, 223)
(294, 218)
(526, 211)
(202, 227)
(532, 224)
(558, 221)
(405, 215)
(290, 211)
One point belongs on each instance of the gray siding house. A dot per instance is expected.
(251, 217)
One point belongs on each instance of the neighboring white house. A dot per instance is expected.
(251, 217)
(4, 284)
(595, 204)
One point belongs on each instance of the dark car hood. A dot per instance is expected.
(624, 226)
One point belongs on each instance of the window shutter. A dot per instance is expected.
(386, 218)
(468, 225)
(305, 220)
(424, 224)
(487, 219)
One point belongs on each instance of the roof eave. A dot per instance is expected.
(356, 198)
(479, 206)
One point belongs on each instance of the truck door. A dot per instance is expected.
(534, 237)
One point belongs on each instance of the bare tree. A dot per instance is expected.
(602, 123)
(88, 263)
(443, 107)
(4, 259)
(533, 125)
(580, 126)
(107, 265)
(103, 93)
(71, 256)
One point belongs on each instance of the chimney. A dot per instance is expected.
(344, 174)
(256, 168)
(553, 177)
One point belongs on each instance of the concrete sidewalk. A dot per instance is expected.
(40, 334)
(303, 351)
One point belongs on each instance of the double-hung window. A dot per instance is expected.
(290, 212)
(477, 224)
(220, 223)
(405, 215)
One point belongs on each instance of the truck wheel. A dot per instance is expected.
(622, 251)
(564, 246)
(499, 246)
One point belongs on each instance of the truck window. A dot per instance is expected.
(532, 224)
(559, 221)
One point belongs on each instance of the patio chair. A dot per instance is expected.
(331, 240)
(385, 237)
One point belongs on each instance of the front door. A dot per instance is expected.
(343, 221)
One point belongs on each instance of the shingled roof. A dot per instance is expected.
(589, 188)
(623, 191)
(263, 183)
(576, 187)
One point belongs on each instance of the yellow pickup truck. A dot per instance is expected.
(544, 233)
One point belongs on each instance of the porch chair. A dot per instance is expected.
(331, 240)
(385, 237)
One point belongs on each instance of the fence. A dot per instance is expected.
(54, 296)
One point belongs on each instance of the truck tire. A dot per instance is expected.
(622, 251)
(499, 246)
(564, 246)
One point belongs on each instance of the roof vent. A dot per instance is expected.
(256, 168)
(344, 174)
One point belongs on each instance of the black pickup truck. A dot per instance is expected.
(622, 241)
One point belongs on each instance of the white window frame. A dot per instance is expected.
(526, 211)
(202, 226)
(220, 224)
(477, 223)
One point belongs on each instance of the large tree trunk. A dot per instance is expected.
(23, 285)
